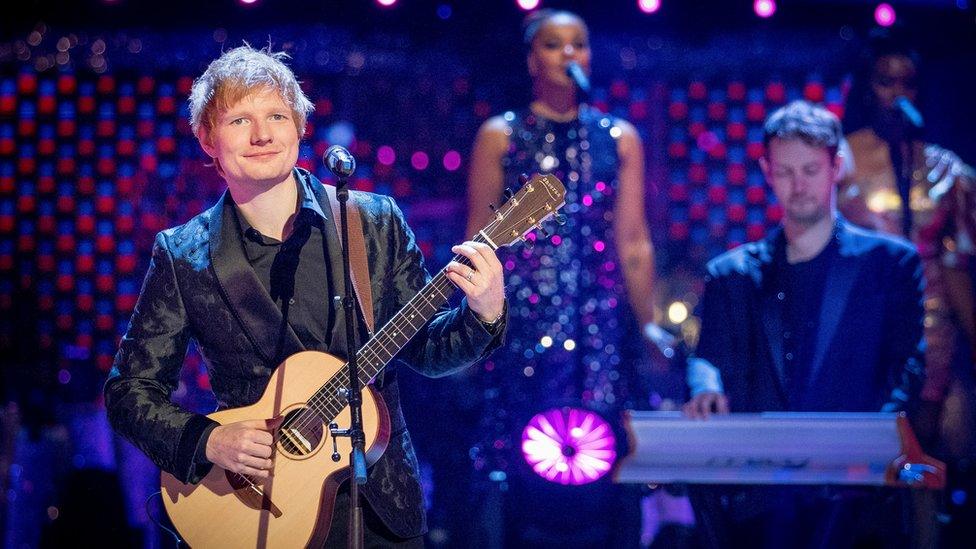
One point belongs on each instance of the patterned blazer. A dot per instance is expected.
(200, 286)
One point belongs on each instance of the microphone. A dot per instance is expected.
(909, 112)
(340, 161)
(576, 73)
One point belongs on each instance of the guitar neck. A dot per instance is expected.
(388, 340)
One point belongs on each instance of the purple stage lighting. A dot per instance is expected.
(649, 6)
(764, 8)
(386, 3)
(570, 446)
(528, 4)
(884, 14)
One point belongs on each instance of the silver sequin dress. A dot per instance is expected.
(572, 337)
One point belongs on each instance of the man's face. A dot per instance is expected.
(803, 178)
(255, 142)
(893, 76)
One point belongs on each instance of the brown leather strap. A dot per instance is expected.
(357, 254)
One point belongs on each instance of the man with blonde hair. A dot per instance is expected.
(251, 281)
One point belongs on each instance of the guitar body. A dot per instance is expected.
(292, 508)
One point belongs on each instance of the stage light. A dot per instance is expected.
(386, 155)
(677, 312)
(884, 14)
(569, 446)
(248, 2)
(386, 3)
(452, 161)
(764, 8)
(419, 160)
(528, 4)
(649, 6)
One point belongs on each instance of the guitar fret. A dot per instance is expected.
(386, 342)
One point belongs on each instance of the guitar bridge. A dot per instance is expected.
(251, 494)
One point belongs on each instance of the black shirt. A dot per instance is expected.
(296, 275)
(800, 288)
(295, 272)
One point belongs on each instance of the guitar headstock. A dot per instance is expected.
(539, 199)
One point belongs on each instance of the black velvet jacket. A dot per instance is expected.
(200, 286)
(868, 355)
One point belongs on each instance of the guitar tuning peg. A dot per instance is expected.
(509, 193)
(560, 218)
(543, 231)
(529, 243)
(523, 178)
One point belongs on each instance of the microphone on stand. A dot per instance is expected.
(578, 76)
(340, 162)
(909, 112)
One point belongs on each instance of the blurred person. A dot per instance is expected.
(581, 296)
(820, 316)
(898, 183)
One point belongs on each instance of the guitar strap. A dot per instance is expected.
(359, 268)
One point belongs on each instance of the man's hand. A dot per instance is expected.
(245, 447)
(482, 283)
(702, 405)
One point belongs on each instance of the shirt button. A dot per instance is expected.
(786, 335)
(789, 356)
(781, 296)
(291, 301)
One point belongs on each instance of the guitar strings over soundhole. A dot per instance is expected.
(301, 432)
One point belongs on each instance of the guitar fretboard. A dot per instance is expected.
(386, 342)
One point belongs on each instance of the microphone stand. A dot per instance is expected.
(901, 148)
(354, 396)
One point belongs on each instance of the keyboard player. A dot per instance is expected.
(820, 316)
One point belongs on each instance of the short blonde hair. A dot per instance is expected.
(238, 73)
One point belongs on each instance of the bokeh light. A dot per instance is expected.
(884, 14)
(764, 8)
(570, 446)
(649, 6)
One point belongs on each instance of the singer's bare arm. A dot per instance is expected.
(630, 224)
(486, 177)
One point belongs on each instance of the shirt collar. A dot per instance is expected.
(306, 196)
(308, 209)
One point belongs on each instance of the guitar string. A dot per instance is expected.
(319, 404)
(396, 321)
(323, 409)
(322, 393)
(342, 373)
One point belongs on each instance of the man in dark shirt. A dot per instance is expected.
(252, 281)
(820, 316)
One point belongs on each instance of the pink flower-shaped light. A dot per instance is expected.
(569, 445)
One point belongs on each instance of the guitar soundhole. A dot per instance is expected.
(300, 433)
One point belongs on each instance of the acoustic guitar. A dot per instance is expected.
(293, 508)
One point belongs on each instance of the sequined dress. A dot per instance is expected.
(572, 337)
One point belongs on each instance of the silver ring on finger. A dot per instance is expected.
(470, 275)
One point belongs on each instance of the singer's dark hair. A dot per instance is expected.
(861, 100)
(536, 19)
(803, 120)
